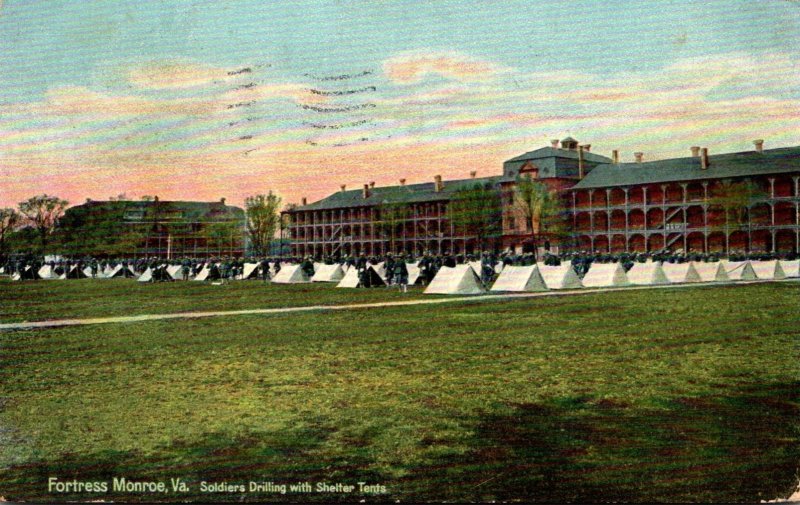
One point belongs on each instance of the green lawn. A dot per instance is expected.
(41, 300)
(659, 395)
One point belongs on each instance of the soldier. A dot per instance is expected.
(361, 267)
(389, 266)
(308, 266)
(400, 273)
(186, 267)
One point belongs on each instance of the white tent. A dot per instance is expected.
(317, 266)
(498, 268)
(328, 273)
(250, 271)
(791, 268)
(768, 270)
(560, 277)
(202, 274)
(413, 273)
(47, 272)
(647, 274)
(176, 272)
(350, 279)
(476, 266)
(459, 280)
(380, 269)
(290, 274)
(711, 272)
(602, 275)
(739, 270)
(678, 273)
(526, 278)
(107, 270)
(147, 276)
(16, 276)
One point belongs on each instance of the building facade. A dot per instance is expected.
(156, 228)
(746, 202)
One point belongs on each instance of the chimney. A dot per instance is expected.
(759, 145)
(615, 156)
(695, 151)
(155, 198)
(704, 158)
(554, 143)
(438, 186)
(638, 157)
(473, 174)
(580, 162)
(222, 201)
(344, 187)
(371, 184)
(402, 182)
(587, 147)
(304, 201)
(366, 191)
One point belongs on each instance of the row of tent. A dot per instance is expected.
(73, 272)
(463, 280)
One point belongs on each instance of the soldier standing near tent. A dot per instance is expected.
(186, 267)
(401, 273)
(308, 266)
(389, 267)
(361, 268)
(264, 266)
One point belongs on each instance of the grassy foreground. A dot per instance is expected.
(41, 300)
(662, 395)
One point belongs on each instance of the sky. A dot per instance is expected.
(202, 100)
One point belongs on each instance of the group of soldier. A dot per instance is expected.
(394, 272)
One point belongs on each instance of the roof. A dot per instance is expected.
(188, 210)
(411, 193)
(728, 165)
(550, 152)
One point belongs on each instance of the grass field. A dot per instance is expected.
(657, 395)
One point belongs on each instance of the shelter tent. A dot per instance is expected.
(120, 271)
(679, 273)
(413, 273)
(791, 268)
(560, 277)
(328, 273)
(75, 273)
(739, 270)
(350, 279)
(88, 272)
(458, 280)
(291, 274)
(602, 275)
(476, 267)
(768, 270)
(250, 271)
(647, 274)
(711, 272)
(147, 276)
(175, 271)
(47, 272)
(524, 278)
(27, 273)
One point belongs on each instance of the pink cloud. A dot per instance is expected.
(411, 68)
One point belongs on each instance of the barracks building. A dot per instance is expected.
(645, 206)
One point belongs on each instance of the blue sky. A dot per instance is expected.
(83, 91)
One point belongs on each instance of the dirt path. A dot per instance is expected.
(432, 301)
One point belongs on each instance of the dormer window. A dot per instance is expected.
(530, 169)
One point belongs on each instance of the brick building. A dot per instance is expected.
(643, 206)
(153, 228)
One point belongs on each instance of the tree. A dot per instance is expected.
(476, 211)
(392, 218)
(541, 208)
(734, 198)
(9, 219)
(42, 213)
(263, 220)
